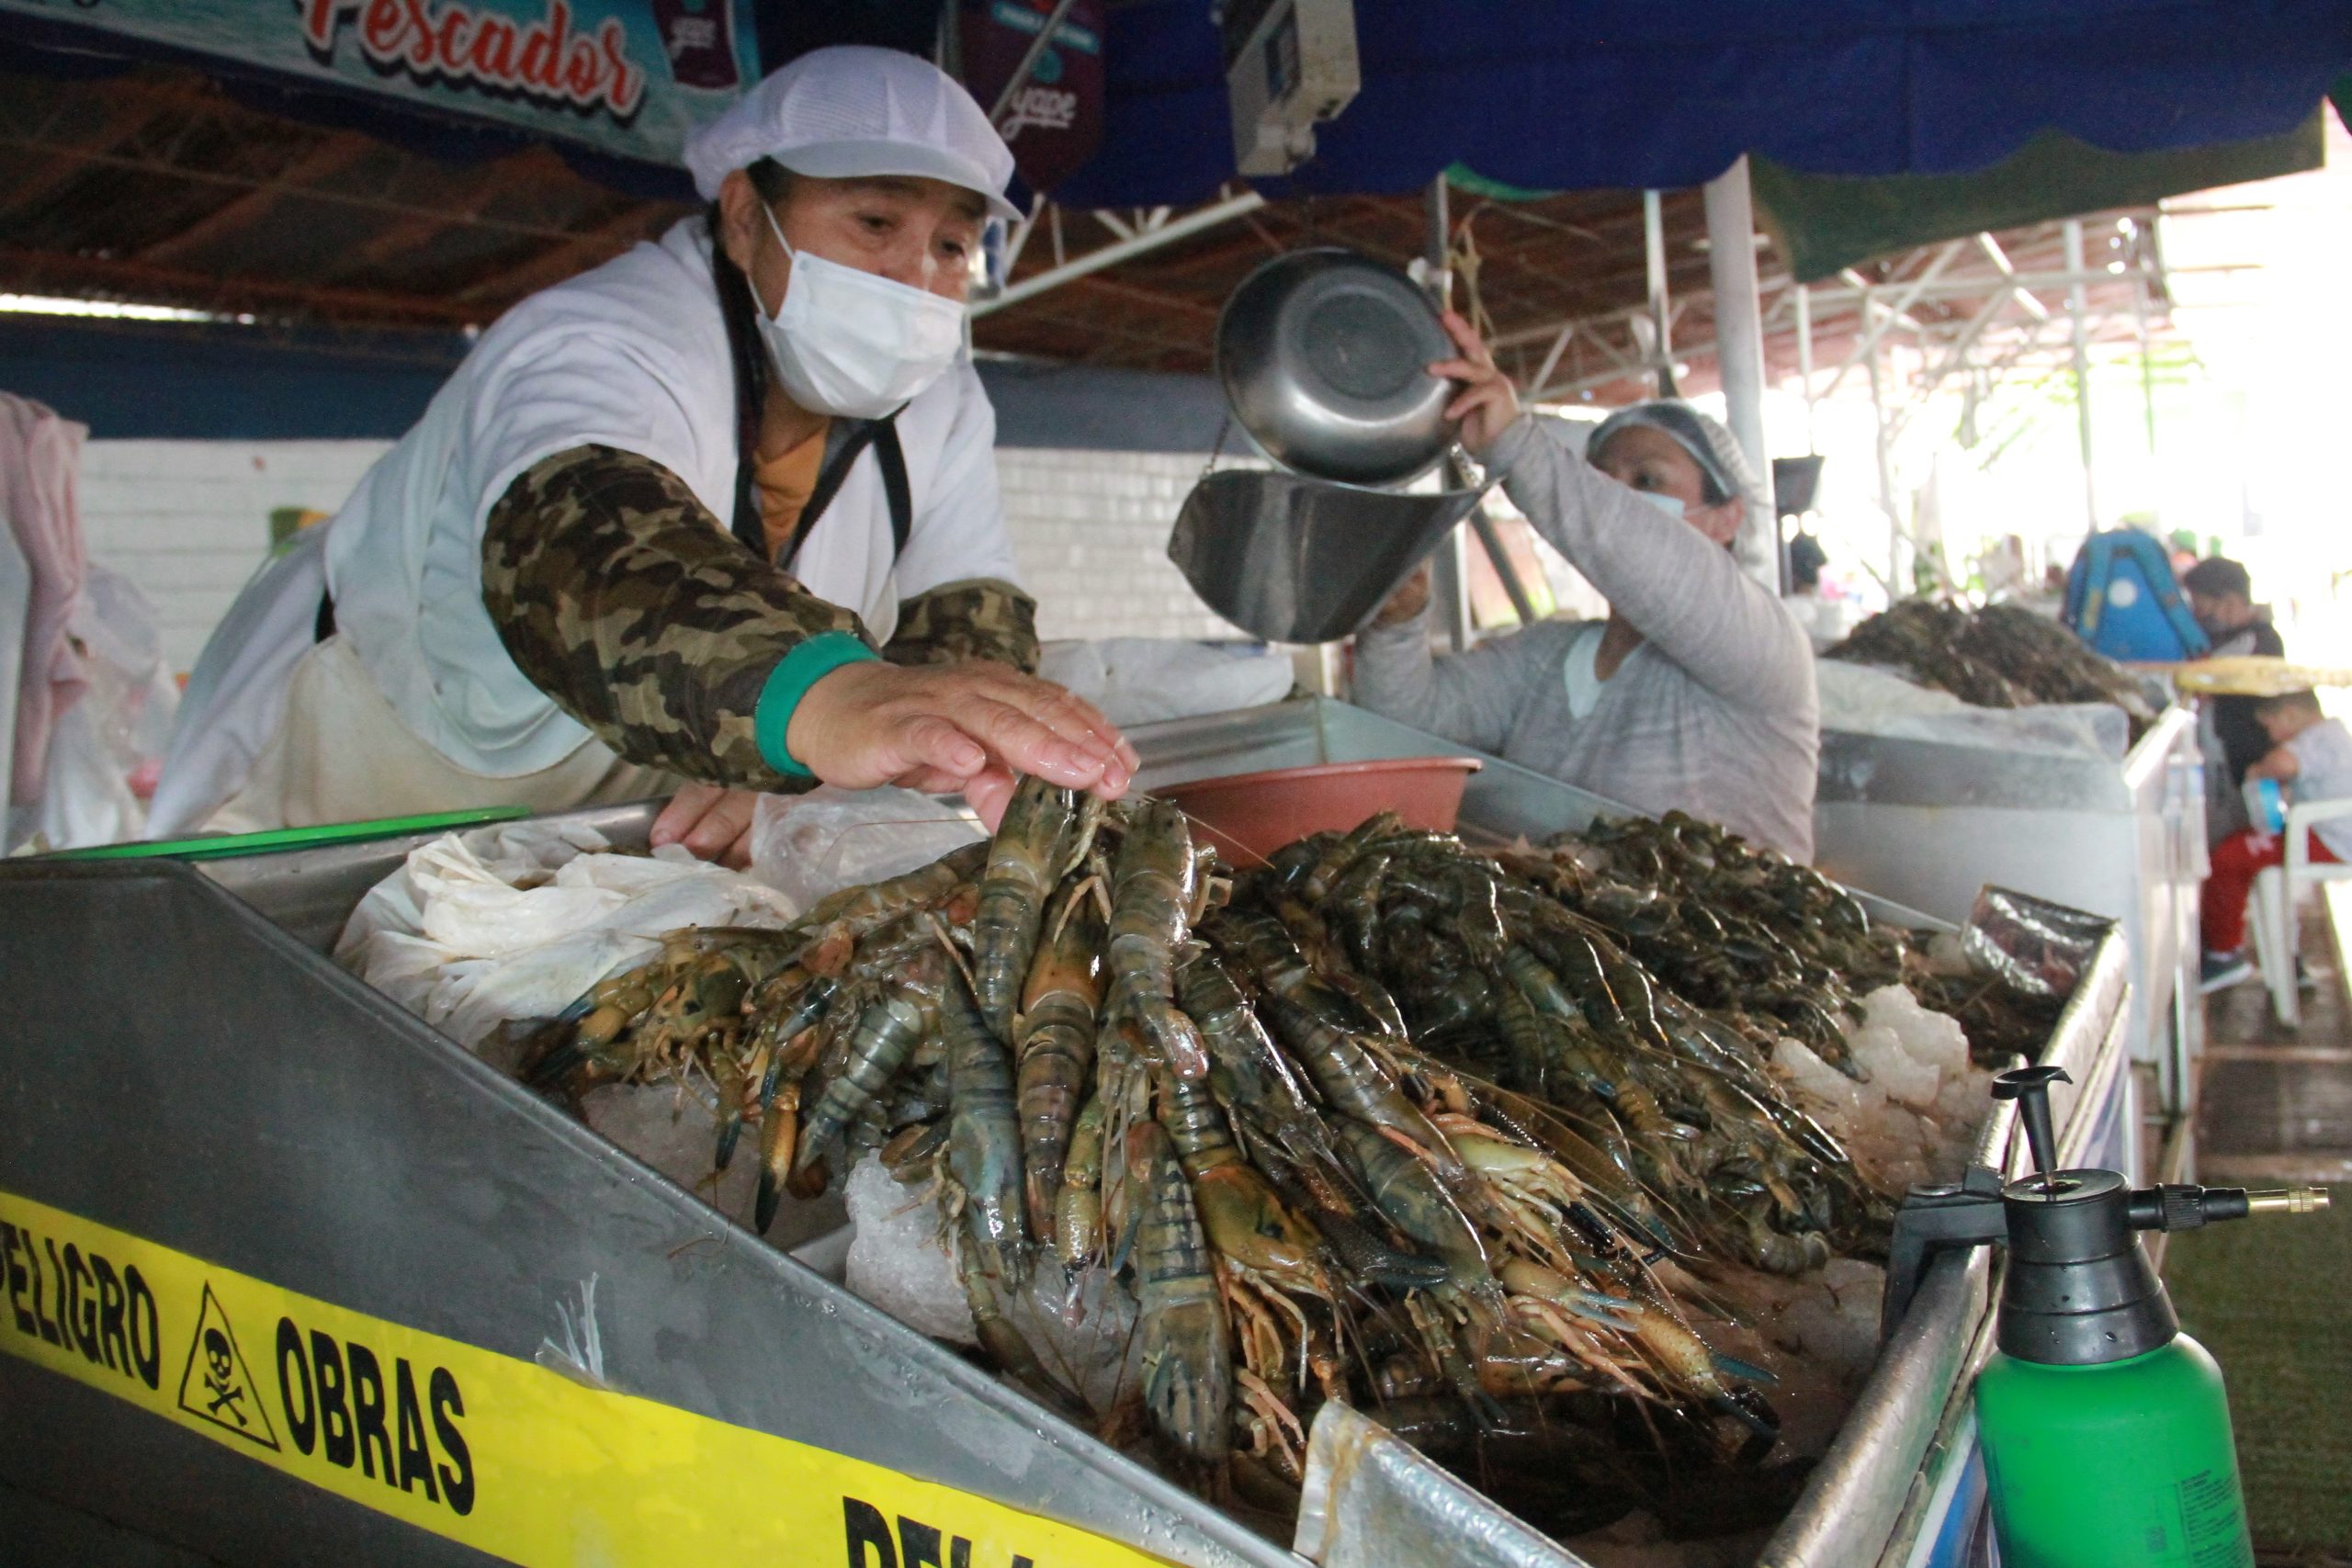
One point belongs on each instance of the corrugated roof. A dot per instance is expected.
(156, 185)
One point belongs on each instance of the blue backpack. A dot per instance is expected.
(2122, 599)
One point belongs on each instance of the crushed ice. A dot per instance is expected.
(1914, 1114)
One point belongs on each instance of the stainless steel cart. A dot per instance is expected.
(180, 1063)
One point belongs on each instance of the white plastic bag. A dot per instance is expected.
(806, 846)
(1139, 680)
(1862, 699)
(512, 923)
(106, 750)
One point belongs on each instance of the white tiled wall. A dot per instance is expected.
(188, 521)
(1090, 532)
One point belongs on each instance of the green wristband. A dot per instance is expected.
(788, 682)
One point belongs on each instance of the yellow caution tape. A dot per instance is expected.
(2252, 675)
(501, 1454)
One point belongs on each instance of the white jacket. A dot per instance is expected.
(633, 354)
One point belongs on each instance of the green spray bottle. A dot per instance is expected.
(2105, 1428)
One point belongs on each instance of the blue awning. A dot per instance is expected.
(1561, 95)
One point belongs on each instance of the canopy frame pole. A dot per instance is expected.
(1987, 377)
(2146, 280)
(1440, 286)
(1112, 254)
(1450, 565)
(1739, 358)
(1018, 241)
(2147, 359)
(1452, 578)
(2077, 316)
(1885, 462)
(1654, 263)
(1804, 362)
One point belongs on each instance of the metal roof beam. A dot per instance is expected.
(1552, 356)
(559, 261)
(1978, 285)
(26, 270)
(1167, 234)
(1908, 295)
(1955, 357)
(1625, 369)
(2000, 260)
(397, 238)
(127, 116)
(330, 157)
(208, 176)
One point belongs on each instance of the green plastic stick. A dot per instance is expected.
(278, 839)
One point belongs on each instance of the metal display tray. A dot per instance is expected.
(1928, 822)
(180, 1060)
(1885, 1491)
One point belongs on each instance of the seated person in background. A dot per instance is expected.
(2310, 755)
(1806, 557)
(2221, 596)
(1696, 694)
(1818, 617)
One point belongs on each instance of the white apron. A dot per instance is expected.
(340, 754)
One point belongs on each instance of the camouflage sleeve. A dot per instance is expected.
(982, 617)
(621, 597)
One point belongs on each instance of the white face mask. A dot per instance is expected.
(1669, 504)
(854, 344)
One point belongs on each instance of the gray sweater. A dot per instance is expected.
(1715, 712)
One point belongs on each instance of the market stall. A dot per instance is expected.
(1929, 823)
(317, 1281)
(1964, 747)
(328, 1181)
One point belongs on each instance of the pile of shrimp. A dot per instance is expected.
(1385, 1120)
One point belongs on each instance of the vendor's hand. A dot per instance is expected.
(1411, 597)
(713, 822)
(1488, 404)
(944, 729)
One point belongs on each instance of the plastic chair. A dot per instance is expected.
(2277, 924)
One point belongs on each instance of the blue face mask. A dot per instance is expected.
(1671, 505)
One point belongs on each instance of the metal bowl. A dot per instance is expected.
(1324, 355)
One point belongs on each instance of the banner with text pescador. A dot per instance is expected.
(630, 77)
(502, 1454)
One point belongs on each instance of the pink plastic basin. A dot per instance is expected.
(1249, 815)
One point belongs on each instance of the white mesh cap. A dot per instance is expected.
(1709, 441)
(854, 111)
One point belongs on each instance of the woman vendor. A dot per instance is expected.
(652, 533)
(1696, 694)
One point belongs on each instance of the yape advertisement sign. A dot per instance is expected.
(630, 77)
(1053, 120)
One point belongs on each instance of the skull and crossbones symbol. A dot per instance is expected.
(220, 1376)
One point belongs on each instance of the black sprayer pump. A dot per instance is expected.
(2106, 1430)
